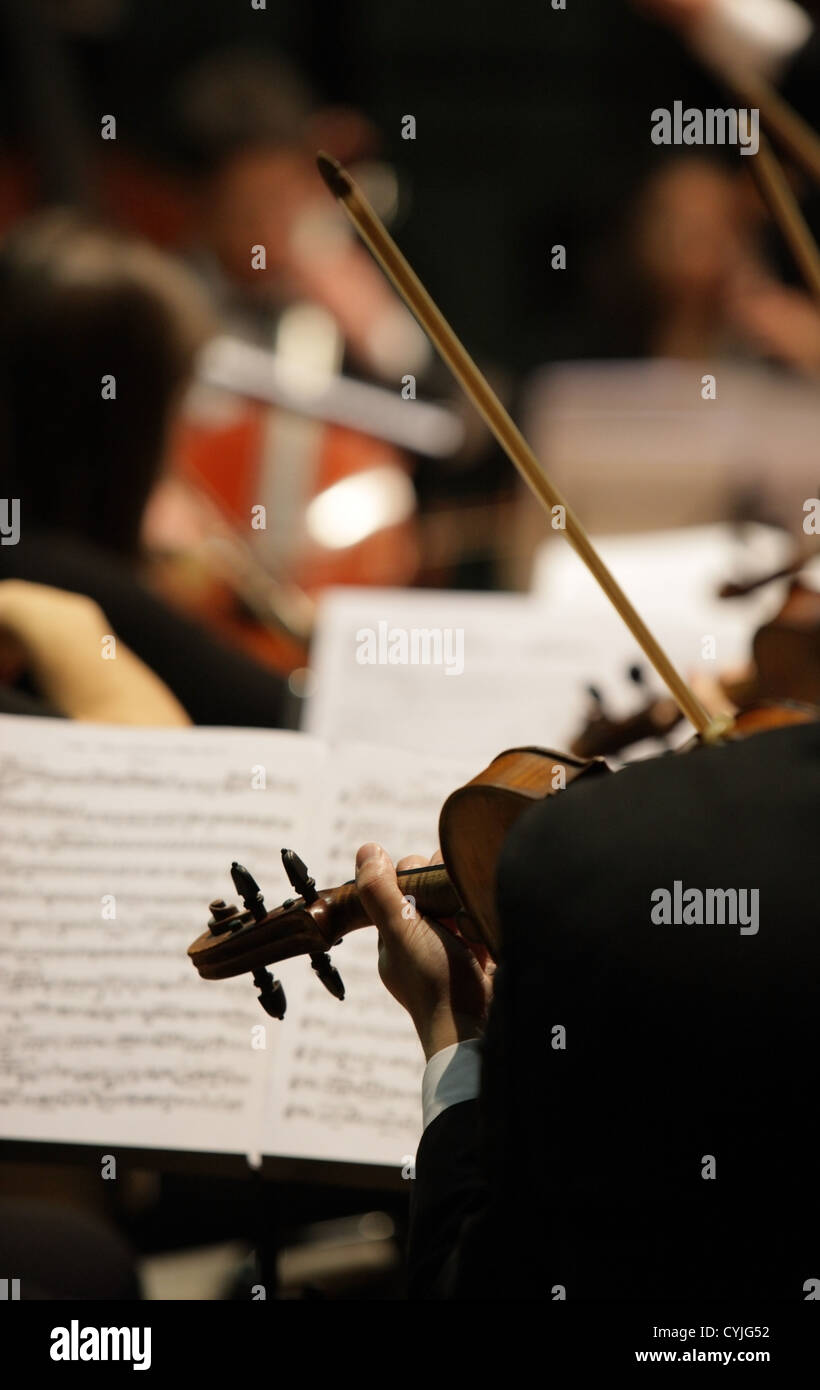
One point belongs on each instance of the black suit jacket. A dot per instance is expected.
(215, 684)
(689, 1049)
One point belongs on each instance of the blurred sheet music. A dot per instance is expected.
(522, 673)
(527, 659)
(634, 446)
(675, 571)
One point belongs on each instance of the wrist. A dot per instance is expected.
(443, 1028)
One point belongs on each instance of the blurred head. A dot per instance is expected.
(250, 128)
(244, 118)
(686, 230)
(79, 303)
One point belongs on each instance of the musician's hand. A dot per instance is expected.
(431, 971)
(58, 638)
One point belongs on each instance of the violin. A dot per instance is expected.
(476, 818)
(473, 825)
(459, 893)
(604, 736)
(786, 652)
(785, 667)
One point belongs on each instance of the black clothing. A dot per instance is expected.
(214, 683)
(583, 1168)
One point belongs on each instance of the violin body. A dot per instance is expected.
(786, 650)
(476, 819)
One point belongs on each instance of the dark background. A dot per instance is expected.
(532, 126)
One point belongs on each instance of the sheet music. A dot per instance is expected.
(107, 1033)
(678, 572)
(347, 1075)
(528, 662)
(522, 680)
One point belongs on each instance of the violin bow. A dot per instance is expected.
(398, 270)
(780, 120)
(777, 193)
(781, 124)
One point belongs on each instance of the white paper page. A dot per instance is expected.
(632, 443)
(522, 683)
(347, 1074)
(680, 571)
(672, 578)
(108, 1033)
(528, 660)
(527, 664)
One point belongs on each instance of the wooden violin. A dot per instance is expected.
(786, 652)
(473, 824)
(476, 818)
(604, 736)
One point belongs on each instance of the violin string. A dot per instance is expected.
(398, 270)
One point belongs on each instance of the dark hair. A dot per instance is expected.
(237, 100)
(77, 303)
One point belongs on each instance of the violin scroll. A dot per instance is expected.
(239, 942)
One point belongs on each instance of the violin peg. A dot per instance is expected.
(298, 876)
(271, 994)
(249, 891)
(328, 974)
(223, 917)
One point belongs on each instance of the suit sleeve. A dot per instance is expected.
(456, 1215)
(449, 1196)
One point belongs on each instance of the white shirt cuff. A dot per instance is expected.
(452, 1075)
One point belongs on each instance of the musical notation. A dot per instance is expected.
(349, 1075)
(112, 841)
(112, 848)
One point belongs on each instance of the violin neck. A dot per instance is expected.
(430, 888)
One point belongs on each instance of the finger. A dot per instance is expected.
(412, 861)
(378, 889)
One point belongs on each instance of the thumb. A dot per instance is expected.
(378, 889)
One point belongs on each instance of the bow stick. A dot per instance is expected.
(398, 270)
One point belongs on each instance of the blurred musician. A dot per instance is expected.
(285, 274)
(98, 333)
(251, 126)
